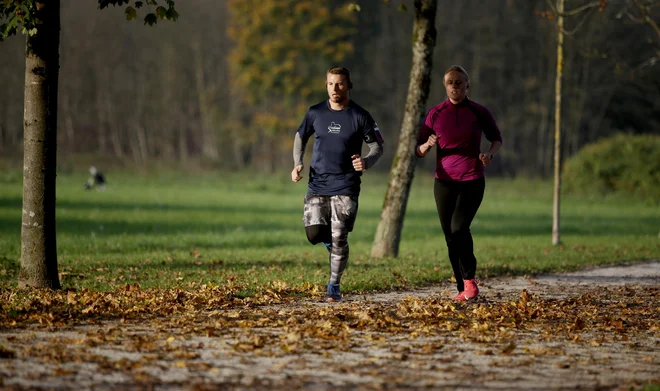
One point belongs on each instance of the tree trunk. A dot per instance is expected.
(208, 136)
(38, 243)
(388, 234)
(560, 70)
(114, 130)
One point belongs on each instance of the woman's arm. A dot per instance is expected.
(423, 149)
(487, 158)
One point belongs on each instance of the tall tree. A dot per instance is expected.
(559, 12)
(388, 233)
(556, 192)
(40, 21)
(38, 246)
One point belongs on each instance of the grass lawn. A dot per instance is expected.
(243, 229)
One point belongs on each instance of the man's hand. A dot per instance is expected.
(295, 174)
(358, 163)
(486, 158)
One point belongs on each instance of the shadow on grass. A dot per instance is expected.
(505, 224)
(101, 205)
(192, 265)
(248, 216)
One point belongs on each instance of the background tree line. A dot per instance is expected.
(229, 82)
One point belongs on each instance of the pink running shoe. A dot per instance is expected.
(471, 289)
(460, 296)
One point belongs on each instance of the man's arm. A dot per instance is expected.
(362, 163)
(374, 141)
(298, 150)
(298, 153)
(375, 152)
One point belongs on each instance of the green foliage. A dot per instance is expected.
(131, 13)
(21, 15)
(17, 15)
(623, 163)
(151, 17)
(355, 7)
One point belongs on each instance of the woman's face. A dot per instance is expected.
(456, 86)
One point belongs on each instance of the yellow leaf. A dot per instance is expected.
(71, 297)
(293, 337)
(508, 349)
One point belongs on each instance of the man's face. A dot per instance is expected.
(456, 86)
(337, 86)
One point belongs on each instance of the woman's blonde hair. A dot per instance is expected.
(459, 69)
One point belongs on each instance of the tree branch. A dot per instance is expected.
(577, 27)
(646, 17)
(575, 11)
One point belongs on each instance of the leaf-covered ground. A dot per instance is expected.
(590, 330)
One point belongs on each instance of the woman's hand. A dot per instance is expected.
(431, 142)
(423, 149)
(486, 158)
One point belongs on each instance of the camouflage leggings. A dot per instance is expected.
(338, 212)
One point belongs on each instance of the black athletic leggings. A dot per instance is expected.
(457, 204)
(318, 233)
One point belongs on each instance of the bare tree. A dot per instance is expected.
(388, 233)
(556, 192)
(641, 11)
(560, 13)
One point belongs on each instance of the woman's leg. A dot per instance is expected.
(468, 200)
(446, 195)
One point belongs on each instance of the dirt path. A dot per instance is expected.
(591, 330)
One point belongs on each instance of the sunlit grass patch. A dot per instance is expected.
(179, 231)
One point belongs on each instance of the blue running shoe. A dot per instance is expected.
(334, 294)
(328, 246)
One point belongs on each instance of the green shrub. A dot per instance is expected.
(622, 163)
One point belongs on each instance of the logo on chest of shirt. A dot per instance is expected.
(334, 128)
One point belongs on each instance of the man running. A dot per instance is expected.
(339, 126)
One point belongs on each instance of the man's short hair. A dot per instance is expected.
(339, 70)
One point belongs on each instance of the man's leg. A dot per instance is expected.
(317, 218)
(318, 234)
(343, 214)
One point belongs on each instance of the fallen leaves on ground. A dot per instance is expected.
(173, 326)
(211, 310)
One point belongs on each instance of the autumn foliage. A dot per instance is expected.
(278, 63)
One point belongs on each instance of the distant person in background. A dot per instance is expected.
(339, 127)
(96, 180)
(456, 126)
